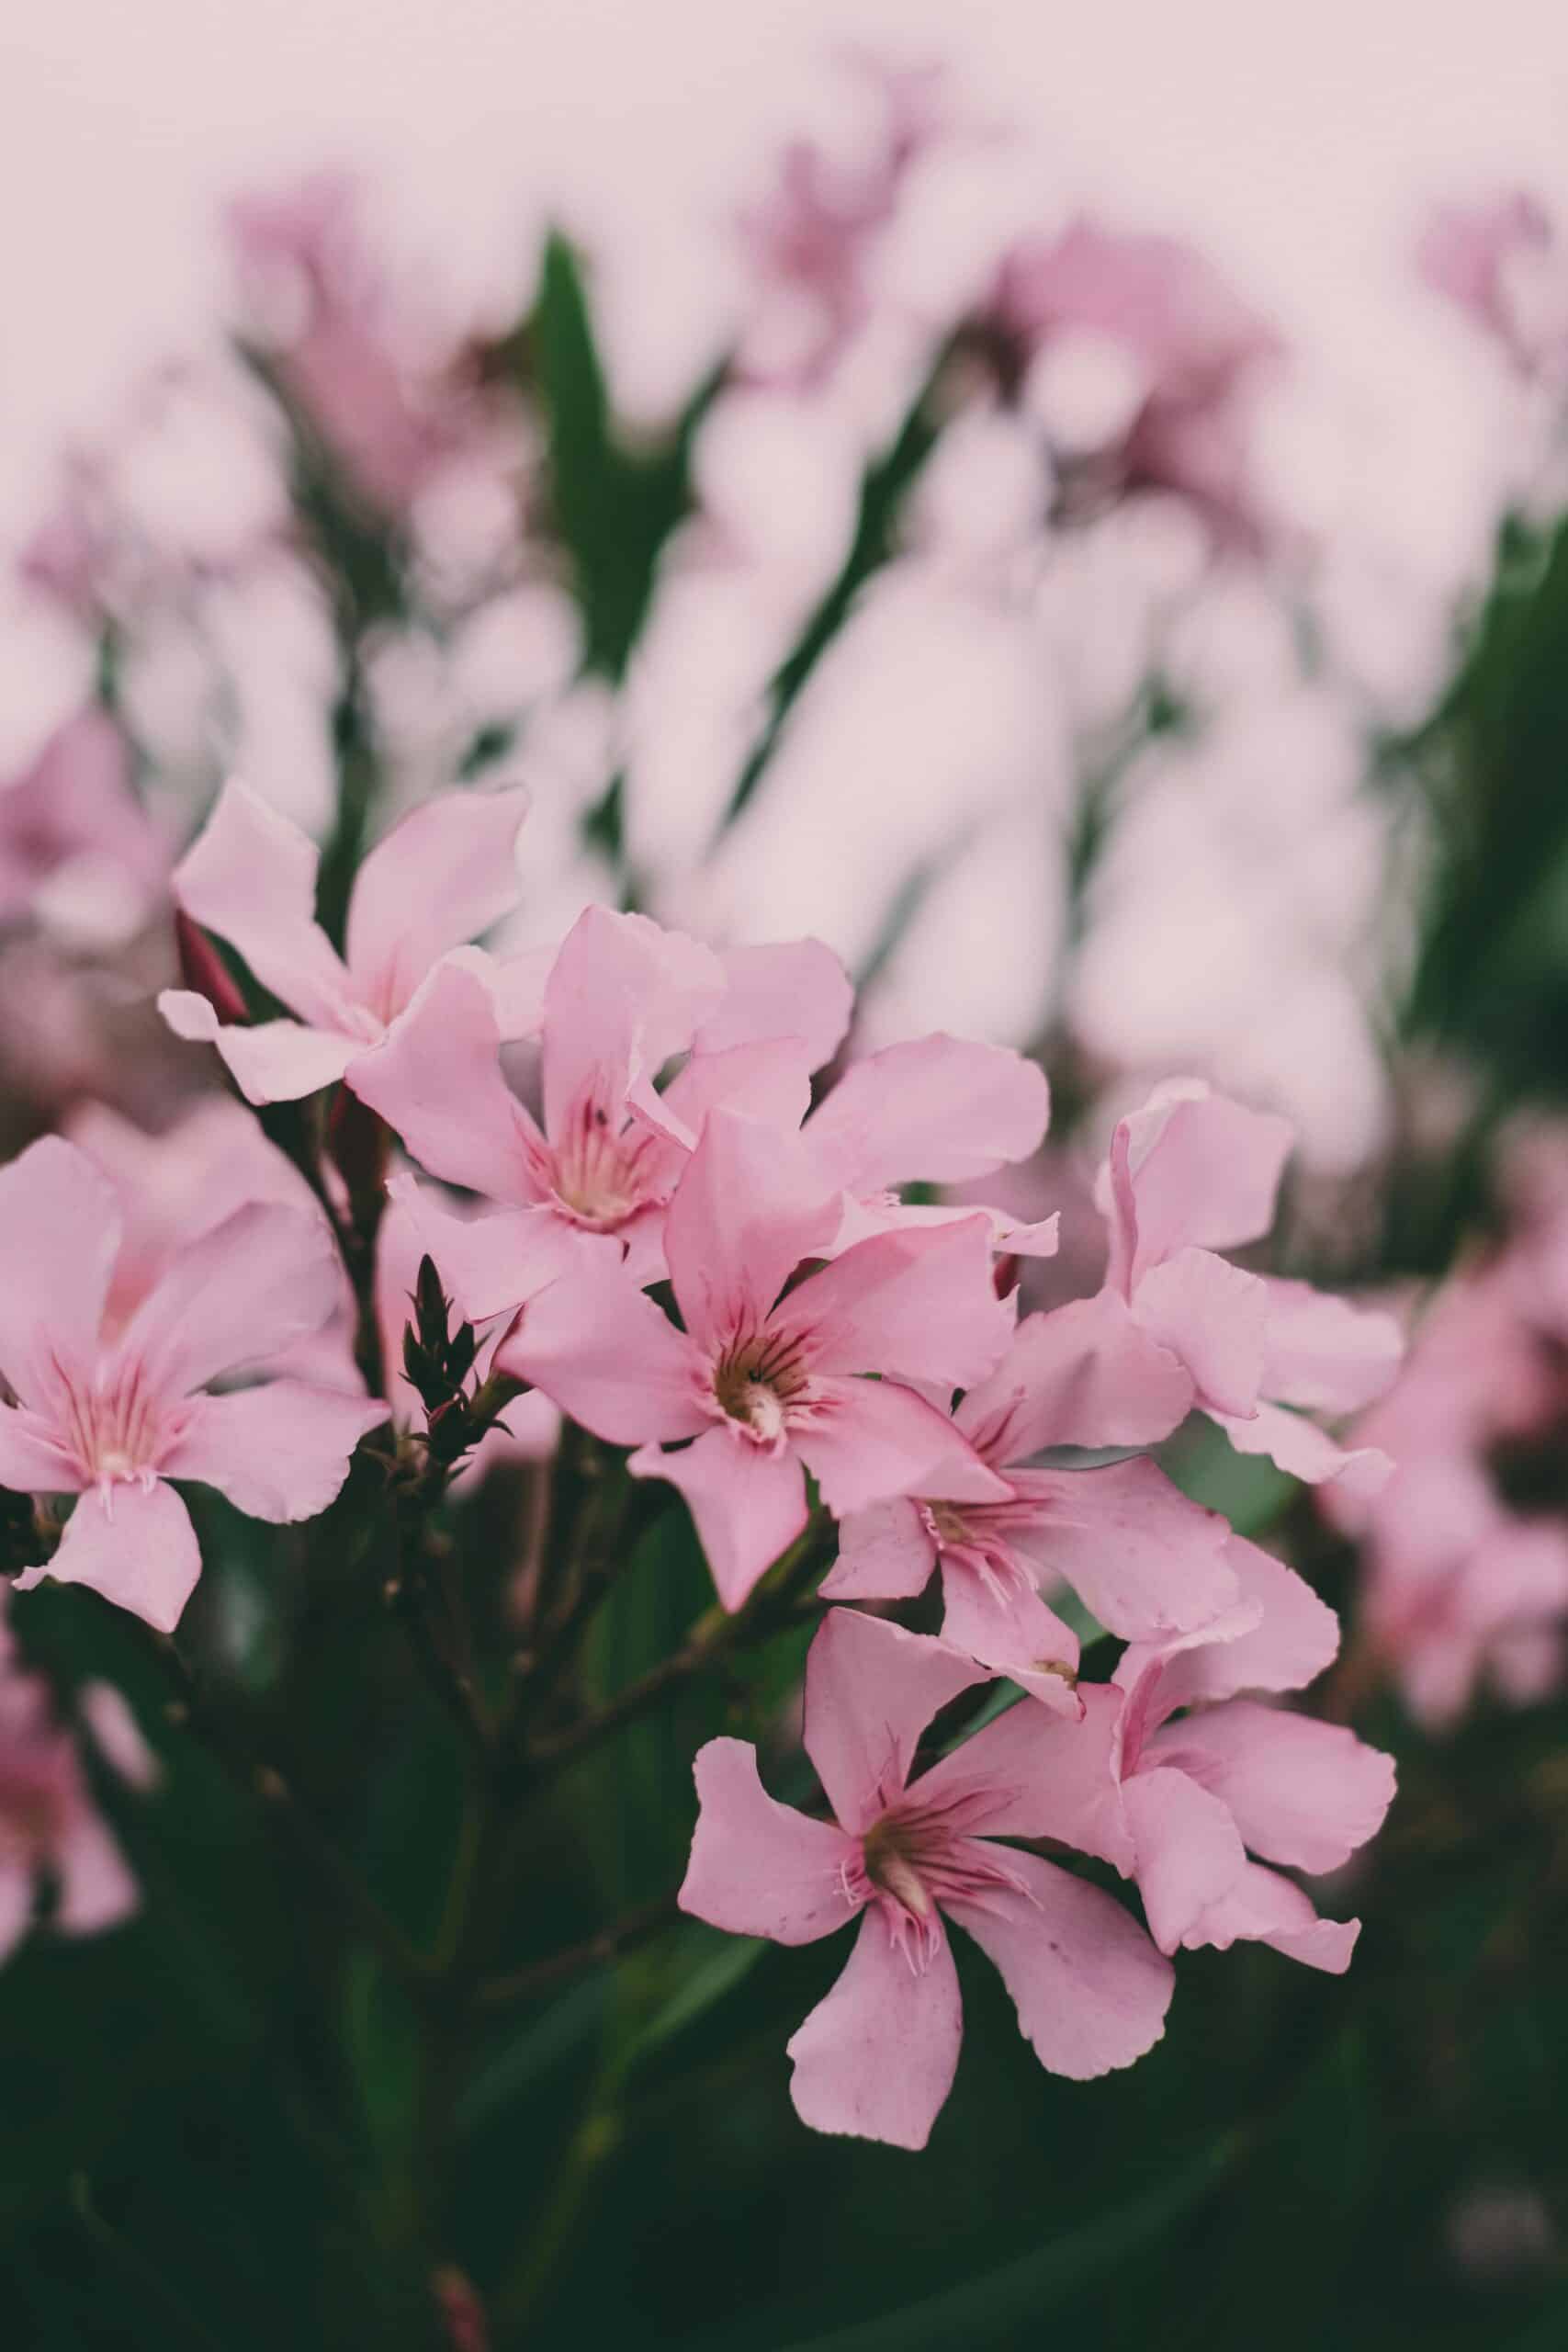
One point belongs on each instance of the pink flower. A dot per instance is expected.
(112, 1420)
(1177, 1781)
(910, 1851)
(1188, 1176)
(767, 1378)
(620, 1000)
(49, 1824)
(1144, 1559)
(1481, 257)
(75, 841)
(439, 879)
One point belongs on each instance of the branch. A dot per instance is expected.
(595, 1951)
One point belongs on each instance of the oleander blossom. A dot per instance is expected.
(1190, 1176)
(1143, 1558)
(113, 1419)
(767, 1373)
(50, 1826)
(439, 880)
(905, 1852)
(1180, 1781)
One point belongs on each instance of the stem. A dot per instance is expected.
(431, 1612)
(595, 1951)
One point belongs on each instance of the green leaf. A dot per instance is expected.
(711, 1965)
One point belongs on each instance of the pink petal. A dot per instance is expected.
(276, 1061)
(795, 988)
(1090, 1990)
(876, 2058)
(611, 1359)
(280, 1453)
(1324, 1353)
(622, 996)
(1300, 1448)
(1213, 1317)
(885, 1553)
(871, 1690)
(97, 1889)
(1144, 1559)
(758, 1868)
(770, 1082)
(18, 1897)
(918, 1305)
(489, 1264)
(250, 875)
(439, 878)
(748, 1208)
(1263, 1908)
(941, 1110)
(1087, 1374)
(1302, 1792)
(1294, 1637)
(437, 1082)
(866, 1440)
(1190, 1854)
(747, 1505)
(238, 1295)
(516, 985)
(1008, 1627)
(1199, 1170)
(62, 1224)
(136, 1547)
(1030, 1773)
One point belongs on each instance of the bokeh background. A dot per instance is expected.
(772, 434)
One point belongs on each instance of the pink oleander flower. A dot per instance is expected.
(768, 1375)
(114, 1419)
(438, 880)
(1188, 1176)
(48, 1822)
(1144, 1559)
(1465, 1583)
(75, 843)
(1178, 1781)
(1483, 257)
(1198, 350)
(620, 1000)
(172, 1186)
(910, 1850)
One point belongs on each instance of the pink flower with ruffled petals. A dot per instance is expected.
(1144, 1559)
(1192, 1175)
(620, 1000)
(114, 1420)
(908, 1851)
(1178, 1781)
(438, 880)
(767, 1378)
(49, 1824)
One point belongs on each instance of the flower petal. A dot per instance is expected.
(917, 1304)
(238, 1295)
(865, 1440)
(1263, 1908)
(97, 1889)
(489, 1264)
(62, 1228)
(1302, 1792)
(1008, 1628)
(250, 875)
(750, 1206)
(871, 1690)
(1030, 1773)
(1144, 1559)
(1214, 1318)
(611, 1359)
(275, 1062)
(758, 1868)
(1303, 1451)
(876, 2058)
(136, 1547)
(280, 1451)
(622, 996)
(1325, 1353)
(1293, 1637)
(1189, 1853)
(442, 877)
(1090, 1990)
(795, 988)
(438, 1081)
(887, 1551)
(1193, 1170)
(942, 1110)
(747, 1505)
(1087, 1374)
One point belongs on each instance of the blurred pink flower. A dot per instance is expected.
(49, 1824)
(1480, 257)
(74, 839)
(768, 1378)
(1175, 1779)
(908, 1851)
(1144, 1559)
(112, 1420)
(442, 877)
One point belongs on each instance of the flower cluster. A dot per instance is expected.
(696, 1247)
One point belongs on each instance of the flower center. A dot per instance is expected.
(600, 1175)
(119, 1433)
(918, 1856)
(759, 1385)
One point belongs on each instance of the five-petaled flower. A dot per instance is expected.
(907, 1851)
